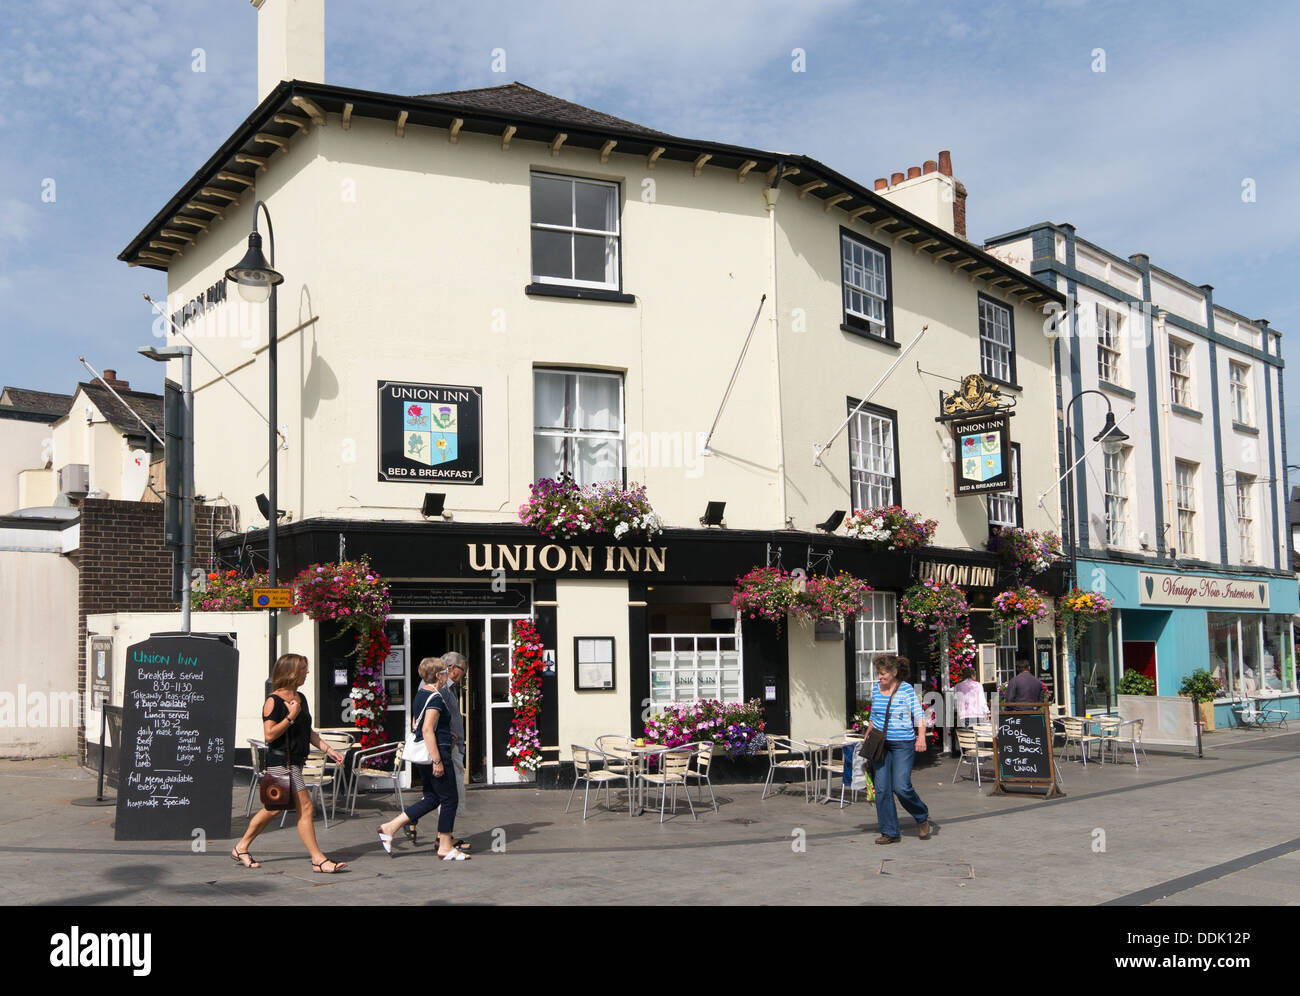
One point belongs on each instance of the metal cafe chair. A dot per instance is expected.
(673, 765)
(971, 753)
(380, 761)
(699, 770)
(257, 749)
(591, 766)
(796, 756)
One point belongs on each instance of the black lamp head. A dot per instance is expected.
(1111, 437)
(253, 273)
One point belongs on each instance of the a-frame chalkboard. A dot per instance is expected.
(1022, 749)
(178, 731)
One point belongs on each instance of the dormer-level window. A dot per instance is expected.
(575, 234)
(865, 274)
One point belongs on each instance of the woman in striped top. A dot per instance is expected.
(904, 736)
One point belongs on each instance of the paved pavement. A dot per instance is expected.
(1178, 830)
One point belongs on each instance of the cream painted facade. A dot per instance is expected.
(117, 469)
(406, 257)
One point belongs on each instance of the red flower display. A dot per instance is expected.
(526, 697)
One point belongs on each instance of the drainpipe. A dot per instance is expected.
(770, 195)
(1166, 444)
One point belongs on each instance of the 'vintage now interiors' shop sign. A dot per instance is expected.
(1205, 592)
(430, 433)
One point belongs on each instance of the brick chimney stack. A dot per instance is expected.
(109, 379)
(931, 191)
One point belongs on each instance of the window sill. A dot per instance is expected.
(1249, 429)
(1002, 383)
(1106, 385)
(871, 336)
(578, 293)
(1188, 412)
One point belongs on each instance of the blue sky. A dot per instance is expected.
(101, 97)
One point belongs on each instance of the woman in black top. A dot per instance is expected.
(286, 726)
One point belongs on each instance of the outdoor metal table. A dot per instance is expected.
(637, 759)
(826, 746)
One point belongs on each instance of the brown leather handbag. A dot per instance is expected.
(873, 748)
(275, 789)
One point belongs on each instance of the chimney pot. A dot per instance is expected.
(895, 178)
(930, 166)
(913, 172)
(945, 162)
(881, 183)
(109, 374)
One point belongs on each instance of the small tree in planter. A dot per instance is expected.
(1202, 688)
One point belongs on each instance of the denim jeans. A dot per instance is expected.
(893, 776)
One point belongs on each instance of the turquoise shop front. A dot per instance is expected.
(1167, 624)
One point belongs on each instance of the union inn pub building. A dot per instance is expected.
(490, 287)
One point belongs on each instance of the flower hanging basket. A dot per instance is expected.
(1017, 607)
(1026, 551)
(938, 608)
(770, 593)
(1079, 610)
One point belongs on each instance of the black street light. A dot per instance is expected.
(257, 279)
(1112, 440)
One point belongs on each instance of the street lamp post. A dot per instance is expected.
(1112, 440)
(257, 279)
(183, 353)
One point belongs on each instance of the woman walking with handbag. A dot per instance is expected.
(896, 715)
(431, 732)
(286, 727)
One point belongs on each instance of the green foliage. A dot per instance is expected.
(1200, 685)
(1136, 683)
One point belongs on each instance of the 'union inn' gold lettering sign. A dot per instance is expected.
(552, 558)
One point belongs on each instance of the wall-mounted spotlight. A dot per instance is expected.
(264, 506)
(713, 514)
(433, 505)
(833, 522)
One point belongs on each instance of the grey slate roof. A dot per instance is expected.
(45, 402)
(150, 407)
(517, 98)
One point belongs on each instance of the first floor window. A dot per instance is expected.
(1008, 646)
(873, 467)
(1117, 498)
(877, 633)
(1246, 517)
(575, 235)
(1185, 497)
(578, 425)
(1004, 506)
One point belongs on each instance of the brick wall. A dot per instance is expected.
(124, 567)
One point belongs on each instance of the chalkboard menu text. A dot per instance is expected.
(178, 732)
(1022, 748)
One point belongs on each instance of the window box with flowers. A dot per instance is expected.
(890, 528)
(559, 508)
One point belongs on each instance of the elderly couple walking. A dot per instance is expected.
(438, 723)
